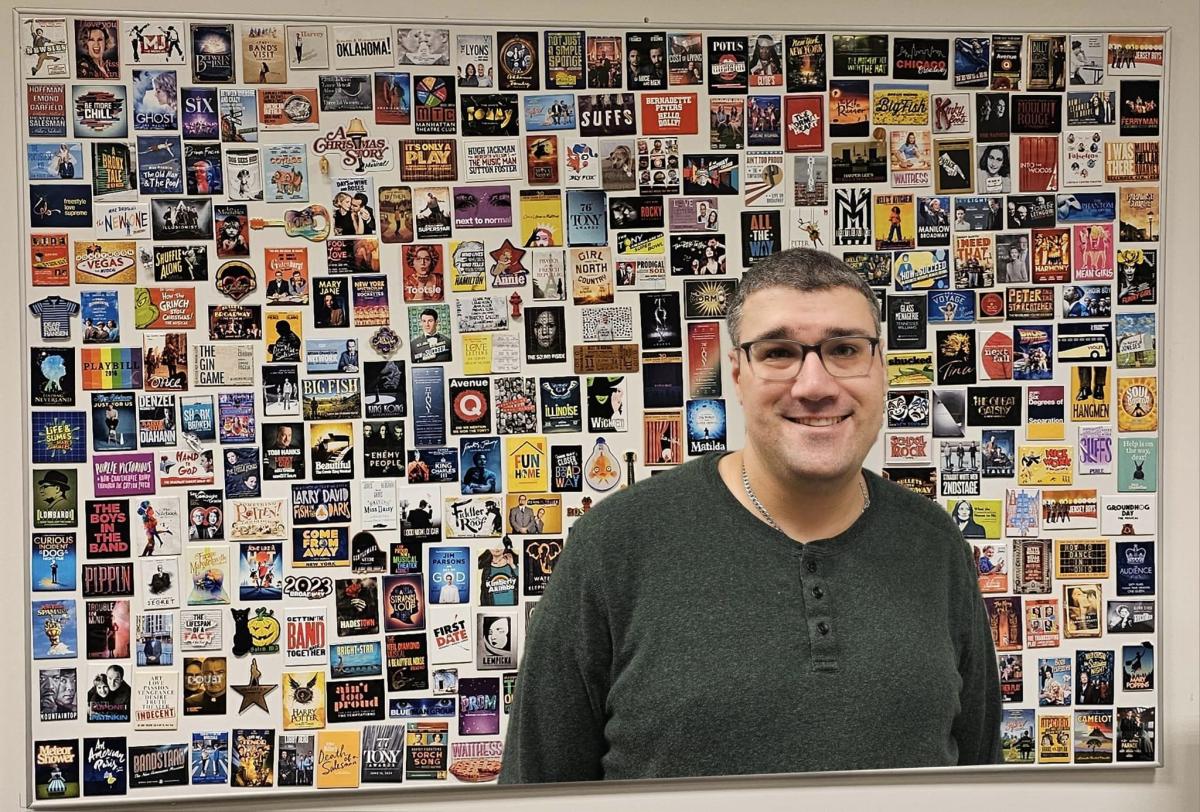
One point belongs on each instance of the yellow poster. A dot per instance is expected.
(263, 58)
(283, 336)
(533, 514)
(477, 353)
(541, 218)
(895, 222)
(984, 512)
(526, 468)
(591, 276)
(303, 700)
(1054, 739)
(105, 262)
(1137, 403)
(1091, 402)
(337, 759)
(1044, 465)
(900, 104)
(468, 266)
(910, 368)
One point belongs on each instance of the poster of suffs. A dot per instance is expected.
(1008, 186)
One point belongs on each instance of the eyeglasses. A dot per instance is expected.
(780, 359)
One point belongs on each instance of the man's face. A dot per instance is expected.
(213, 674)
(422, 263)
(521, 501)
(544, 329)
(816, 427)
(428, 325)
(64, 689)
(355, 205)
(656, 56)
(283, 437)
(115, 678)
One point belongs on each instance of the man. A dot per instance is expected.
(53, 488)
(477, 478)
(278, 289)
(119, 692)
(348, 360)
(747, 585)
(521, 517)
(207, 689)
(430, 346)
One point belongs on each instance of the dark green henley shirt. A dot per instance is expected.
(682, 636)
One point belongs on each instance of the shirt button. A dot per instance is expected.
(812, 566)
(818, 593)
(823, 627)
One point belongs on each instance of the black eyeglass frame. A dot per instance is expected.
(805, 349)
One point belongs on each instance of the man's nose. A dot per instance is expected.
(813, 381)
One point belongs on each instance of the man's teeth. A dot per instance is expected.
(818, 421)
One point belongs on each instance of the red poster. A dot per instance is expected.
(48, 260)
(669, 114)
(804, 118)
(1039, 163)
(704, 359)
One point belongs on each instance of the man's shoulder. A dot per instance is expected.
(654, 501)
(911, 513)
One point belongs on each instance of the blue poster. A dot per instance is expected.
(155, 100)
(480, 464)
(429, 405)
(260, 571)
(197, 418)
(235, 411)
(60, 161)
(60, 205)
(54, 629)
(52, 563)
(160, 165)
(101, 316)
(210, 757)
(587, 217)
(554, 111)
(355, 660)
(114, 422)
(706, 426)
(449, 575)
(1087, 207)
(243, 477)
(59, 437)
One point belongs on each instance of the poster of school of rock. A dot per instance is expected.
(334, 331)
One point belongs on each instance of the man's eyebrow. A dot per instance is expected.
(830, 332)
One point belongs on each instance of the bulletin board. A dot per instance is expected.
(335, 328)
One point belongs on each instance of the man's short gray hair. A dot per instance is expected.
(803, 269)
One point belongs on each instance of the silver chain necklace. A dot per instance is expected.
(762, 510)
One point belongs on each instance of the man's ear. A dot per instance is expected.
(736, 370)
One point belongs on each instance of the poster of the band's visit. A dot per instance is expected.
(335, 329)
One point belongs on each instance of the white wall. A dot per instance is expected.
(1174, 787)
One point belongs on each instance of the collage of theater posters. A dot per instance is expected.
(334, 330)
